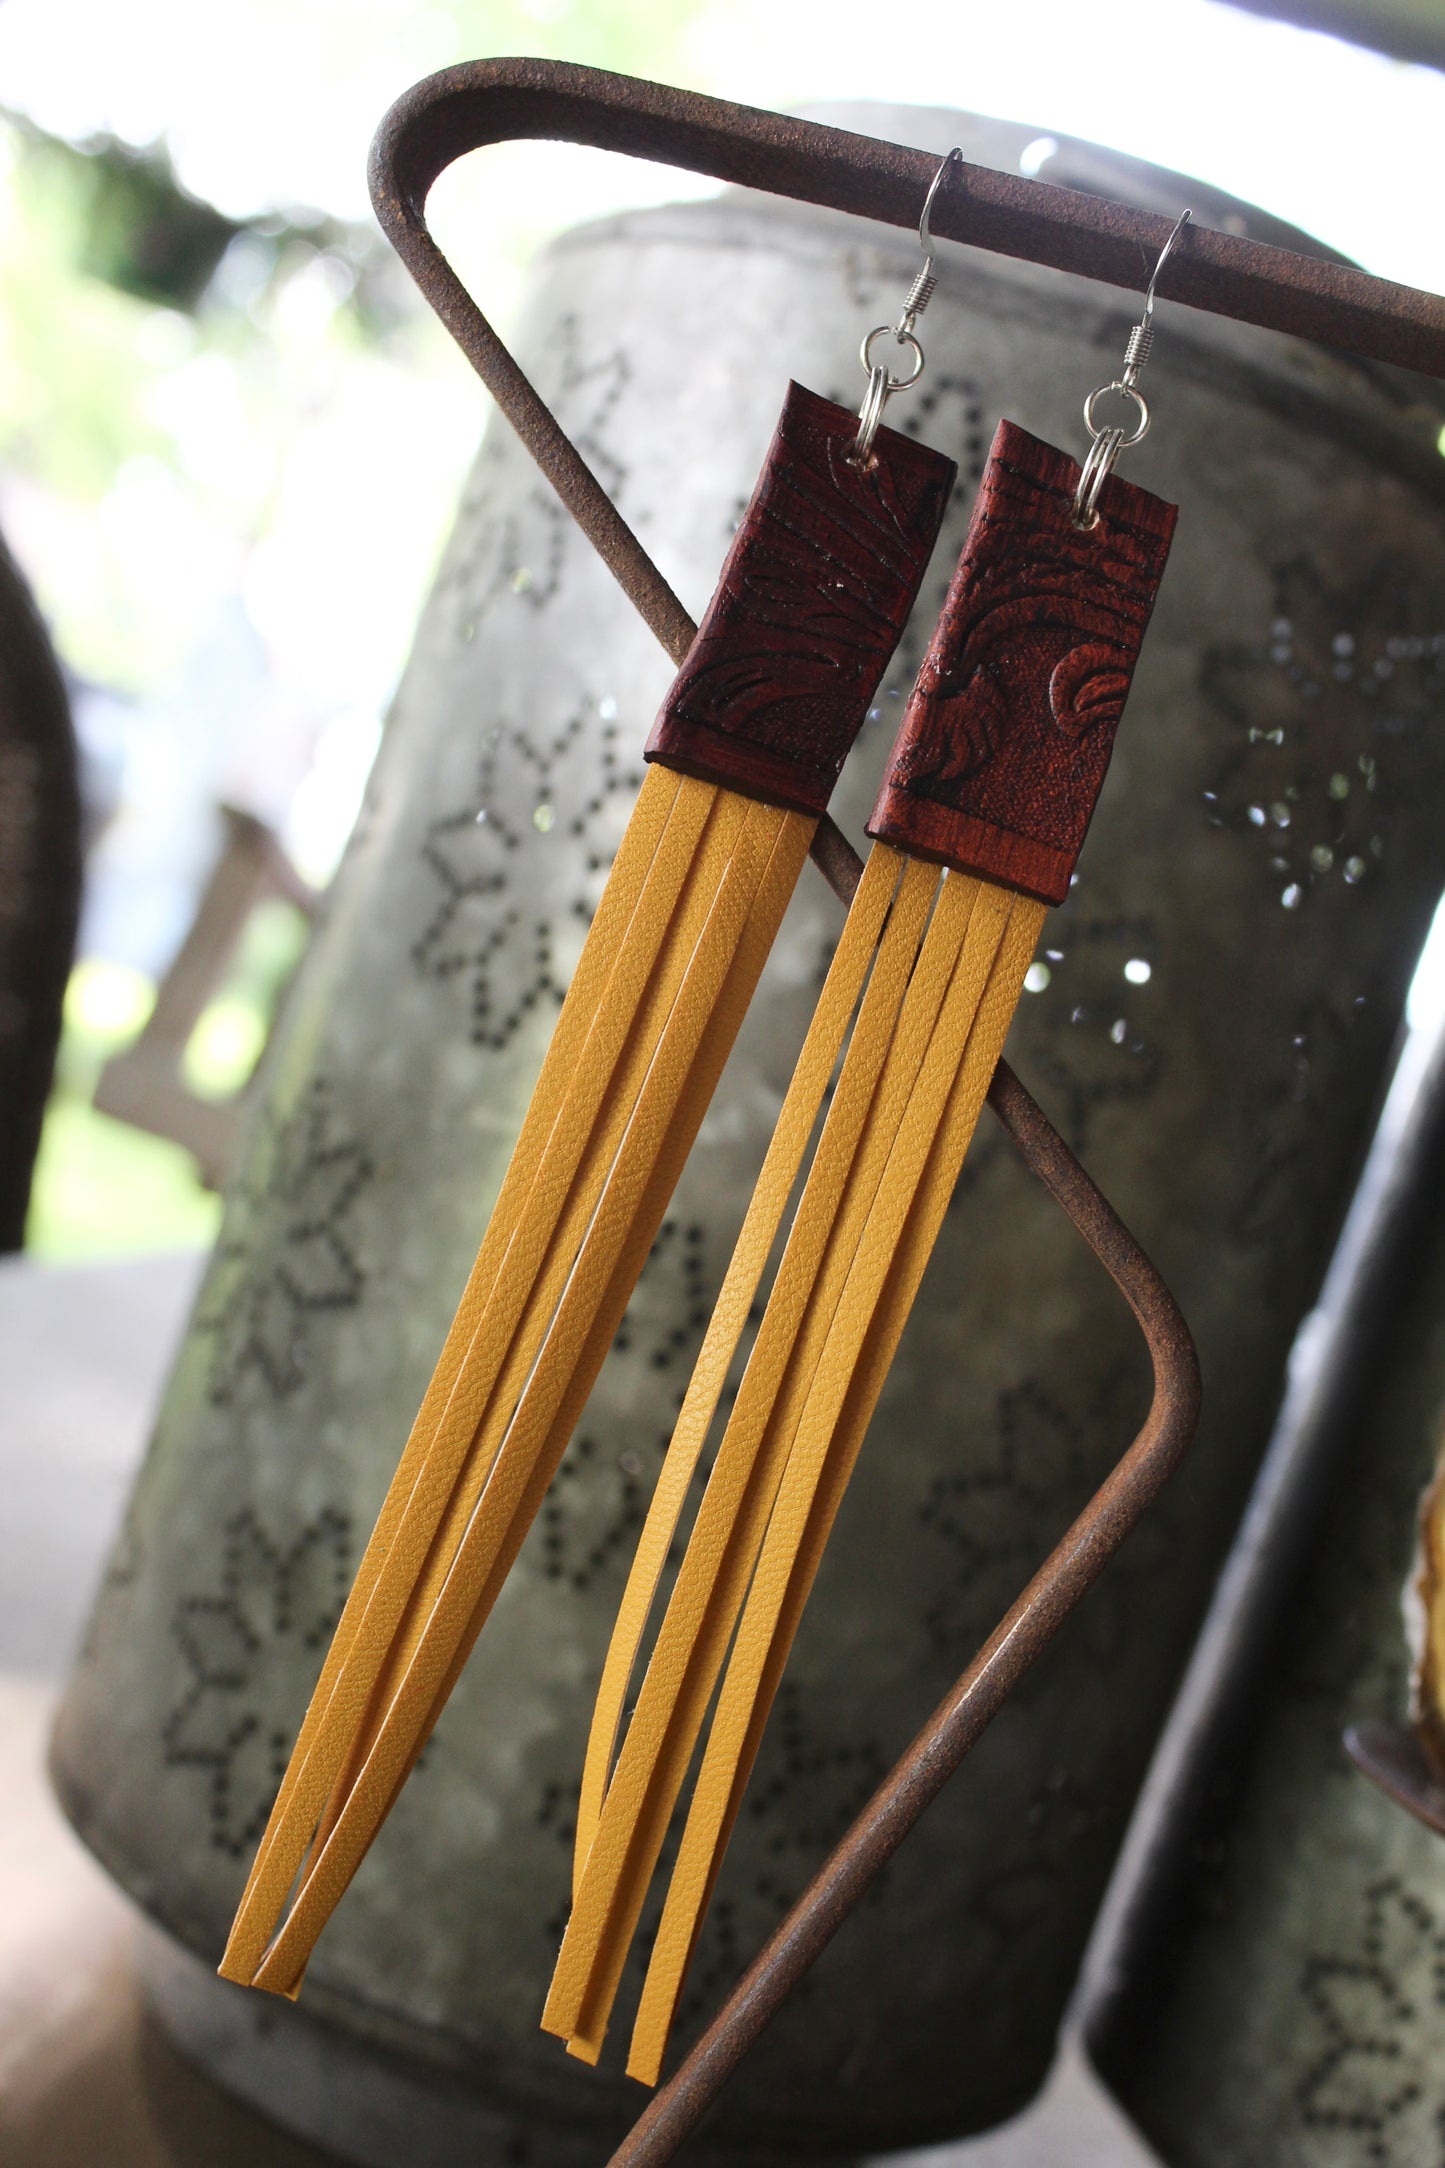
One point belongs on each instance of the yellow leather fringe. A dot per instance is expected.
(850, 1375)
(929, 1032)
(794, 1126)
(685, 922)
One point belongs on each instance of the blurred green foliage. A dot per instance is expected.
(102, 1187)
(162, 359)
(78, 359)
(138, 230)
(636, 37)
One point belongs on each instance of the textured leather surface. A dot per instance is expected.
(546, 1244)
(814, 594)
(486, 1518)
(1008, 731)
(264, 1891)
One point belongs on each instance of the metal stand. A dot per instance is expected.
(466, 107)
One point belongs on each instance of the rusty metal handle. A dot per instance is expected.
(493, 101)
(490, 101)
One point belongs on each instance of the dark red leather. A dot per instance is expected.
(813, 598)
(1008, 731)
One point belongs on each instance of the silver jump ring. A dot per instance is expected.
(1097, 468)
(895, 383)
(870, 414)
(1125, 391)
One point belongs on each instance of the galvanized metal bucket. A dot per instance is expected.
(1266, 1981)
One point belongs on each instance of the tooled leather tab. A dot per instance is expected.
(813, 598)
(1008, 731)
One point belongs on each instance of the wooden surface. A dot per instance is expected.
(812, 601)
(1008, 732)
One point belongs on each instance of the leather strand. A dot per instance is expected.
(473, 1573)
(481, 1513)
(783, 871)
(882, 1284)
(713, 1580)
(775, 1182)
(543, 1279)
(418, 1492)
(614, 915)
(598, 1074)
(897, 1179)
(791, 849)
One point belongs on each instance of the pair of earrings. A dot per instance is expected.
(994, 776)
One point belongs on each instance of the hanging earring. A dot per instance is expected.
(997, 767)
(813, 597)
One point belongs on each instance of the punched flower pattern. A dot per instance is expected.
(288, 1253)
(486, 932)
(235, 1719)
(1371, 2091)
(523, 552)
(1316, 709)
(1011, 1497)
(1094, 1044)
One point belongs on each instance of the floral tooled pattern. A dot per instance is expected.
(1370, 2089)
(288, 1253)
(533, 792)
(947, 411)
(1315, 709)
(241, 1645)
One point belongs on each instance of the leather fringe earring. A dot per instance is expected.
(813, 597)
(995, 774)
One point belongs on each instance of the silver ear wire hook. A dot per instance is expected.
(882, 384)
(920, 293)
(1110, 441)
